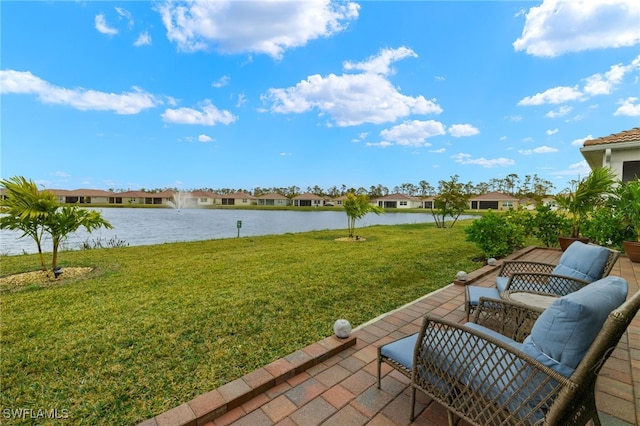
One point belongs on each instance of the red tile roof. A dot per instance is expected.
(632, 135)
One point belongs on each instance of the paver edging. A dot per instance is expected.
(206, 407)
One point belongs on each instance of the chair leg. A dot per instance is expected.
(467, 304)
(451, 418)
(379, 370)
(412, 401)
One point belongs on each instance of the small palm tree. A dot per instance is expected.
(356, 207)
(629, 204)
(25, 208)
(37, 213)
(587, 194)
(65, 220)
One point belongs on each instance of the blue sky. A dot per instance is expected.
(243, 94)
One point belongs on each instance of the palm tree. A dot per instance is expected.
(586, 194)
(356, 207)
(25, 208)
(66, 220)
(36, 213)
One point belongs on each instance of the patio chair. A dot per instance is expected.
(487, 378)
(579, 265)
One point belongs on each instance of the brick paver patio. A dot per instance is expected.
(333, 382)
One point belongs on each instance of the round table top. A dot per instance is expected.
(532, 299)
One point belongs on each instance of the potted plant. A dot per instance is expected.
(629, 204)
(586, 194)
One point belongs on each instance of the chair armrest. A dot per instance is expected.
(509, 318)
(546, 283)
(510, 267)
(475, 373)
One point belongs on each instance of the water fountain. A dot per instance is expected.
(180, 200)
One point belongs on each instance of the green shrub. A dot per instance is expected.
(495, 235)
(522, 217)
(606, 227)
(548, 225)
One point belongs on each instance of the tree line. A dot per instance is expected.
(527, 187)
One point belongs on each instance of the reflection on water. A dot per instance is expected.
(156, 226)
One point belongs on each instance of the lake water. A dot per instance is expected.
(137, 226)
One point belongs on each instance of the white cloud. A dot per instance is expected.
(351, 99)
(552, 131)
(221, 82)
(560, 112)
(383, 144)
(599, 84)
(539, 150)
(24, 82)
(465, 159)
(596, 84)
(103, 27)
(144, 39)
(209, 115)
(267, 26)
(556, 95)
(461, 130)
(242, 99)
(205, 138)
(514, 118)
(413, 133)
(557, 27)
(124, 13)
(576, 170)
(629, 107)
(580, 142)
(381, 63)
(438, 151)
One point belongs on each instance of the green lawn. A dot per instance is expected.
(154, 326)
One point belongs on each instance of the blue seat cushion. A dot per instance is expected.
(401, 350)
(583, 261)
(564, 332)
(475, 292)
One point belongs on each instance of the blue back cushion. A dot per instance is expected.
(564, 332)
(583, 261)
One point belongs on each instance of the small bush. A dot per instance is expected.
(548, 225)
(606, 227)
(495, 235)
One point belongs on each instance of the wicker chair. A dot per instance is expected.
(539, 277)
(487, 378)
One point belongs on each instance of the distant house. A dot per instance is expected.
(82, 196)
(238, 199)
(339, 201)
(308, 200)
(494, 201)
(398, 201)
(129, 197)
(620, 152)
(273, 199)
(428, 202)
(201, 198)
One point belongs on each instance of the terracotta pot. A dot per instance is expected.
(567, 241)
(632, 250)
